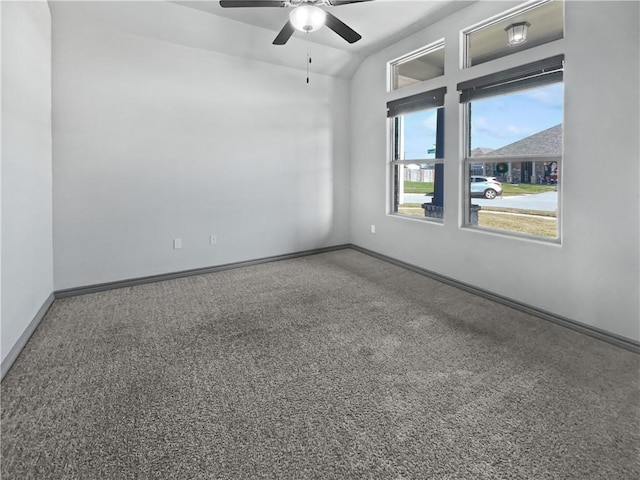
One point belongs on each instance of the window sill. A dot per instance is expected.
(513, 235)
(431, 220)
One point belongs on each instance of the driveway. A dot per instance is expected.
(547, 201)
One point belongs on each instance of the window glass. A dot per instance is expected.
(518, 123)
(417, 168)
(514, 158)
(425, 64)
(418, 138)
(544, 22)
(414, 187)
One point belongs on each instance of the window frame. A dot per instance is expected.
(544, 72)
(393, 64)
(466, 61)
(429, 100)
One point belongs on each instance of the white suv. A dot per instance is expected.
(487, 187)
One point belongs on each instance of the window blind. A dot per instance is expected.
(535, 74)
(420, 101)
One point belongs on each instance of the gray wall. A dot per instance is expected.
(27, 252)
(593, 276)
(156, 140)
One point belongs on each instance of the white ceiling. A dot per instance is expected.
(249, 32)
(380, 22)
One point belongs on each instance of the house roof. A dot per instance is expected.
(479, 151)
(546, 142)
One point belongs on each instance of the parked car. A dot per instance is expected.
(487, 187)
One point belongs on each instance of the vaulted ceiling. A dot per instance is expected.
(380, 22)
(249, 32)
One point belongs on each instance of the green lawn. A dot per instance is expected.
(511, 189)
(418, 187)
(522, 211)
(533, 222)
(508, 189)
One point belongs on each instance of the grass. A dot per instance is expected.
(413, 209)
(508, 189)
(533, 225)
(532, 222)
(511, 189)
(521, 211)
(418, 187)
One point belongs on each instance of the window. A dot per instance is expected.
(416, 67)
(417, 169)
(513, 148)
(488, 41)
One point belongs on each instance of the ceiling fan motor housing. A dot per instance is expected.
(307, 18)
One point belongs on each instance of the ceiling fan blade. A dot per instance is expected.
(285, 34)
(250, 3)
(337, 3)
(342, 29)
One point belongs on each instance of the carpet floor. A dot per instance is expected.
(331, 366)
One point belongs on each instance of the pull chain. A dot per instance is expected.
(308, 58)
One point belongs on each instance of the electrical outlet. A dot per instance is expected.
(177, 243)
(213, 240)
(373, 229)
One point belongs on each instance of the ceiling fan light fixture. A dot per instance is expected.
(307, 18)
(517, 33)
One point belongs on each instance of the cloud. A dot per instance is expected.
(483, 126)
(550, 97)
(516, 130)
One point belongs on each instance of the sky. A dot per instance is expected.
(495, 121)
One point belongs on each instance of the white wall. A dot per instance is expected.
(593, 276)
(156, 140)
(150, 138)
(27, 253)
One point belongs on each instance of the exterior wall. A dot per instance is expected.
(156, 140)
(593, 276)
(27, 252)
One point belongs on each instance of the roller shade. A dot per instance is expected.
(420, 101)
(536, 74)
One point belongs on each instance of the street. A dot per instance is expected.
(547, 201)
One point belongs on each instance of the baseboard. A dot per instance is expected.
(101, 287)
(608, 337)
(24, 338)
(603, 335)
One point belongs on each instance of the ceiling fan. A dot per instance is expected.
(306, 16)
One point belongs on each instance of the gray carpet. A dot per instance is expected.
(331, 366)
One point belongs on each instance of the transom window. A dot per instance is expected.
(418, 66)
(534, 24)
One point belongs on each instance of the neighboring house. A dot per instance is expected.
(546, 142)
(478, 152)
